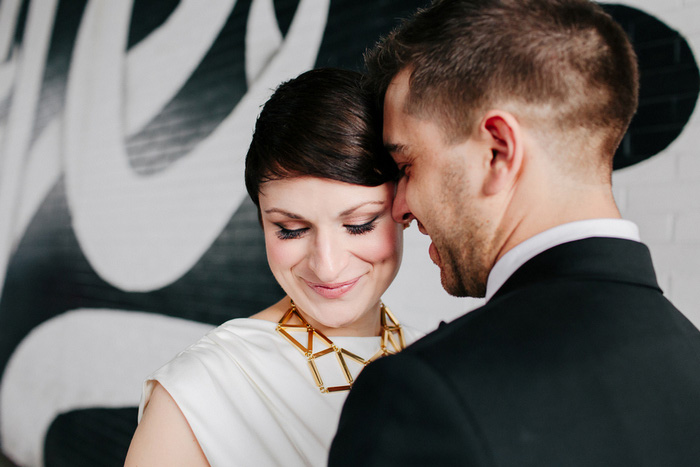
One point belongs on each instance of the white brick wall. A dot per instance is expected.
(687, 230)
(662, 196)
(686, 294)
(689, 166)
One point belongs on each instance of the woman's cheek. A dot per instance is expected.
(387, 244)
(280, 253)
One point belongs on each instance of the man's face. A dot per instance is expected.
(440, 188)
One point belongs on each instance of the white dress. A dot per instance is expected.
(250, 397)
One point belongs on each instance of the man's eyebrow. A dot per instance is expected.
(353, 209)
(395, 148)
(291, 215)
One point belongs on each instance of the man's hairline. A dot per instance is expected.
(526, 113)
(512, 105)
(411, 107)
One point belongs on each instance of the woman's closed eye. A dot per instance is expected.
(285, 233)
(359, 229)
(289, 234)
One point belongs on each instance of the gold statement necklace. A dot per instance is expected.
(392, 341)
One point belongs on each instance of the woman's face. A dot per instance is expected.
(333, 247)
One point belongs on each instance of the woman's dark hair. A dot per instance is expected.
(324, 123)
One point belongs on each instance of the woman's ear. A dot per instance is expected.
(504, 137)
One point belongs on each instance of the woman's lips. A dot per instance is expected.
(333, 290)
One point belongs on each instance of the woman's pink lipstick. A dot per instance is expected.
(333, 290)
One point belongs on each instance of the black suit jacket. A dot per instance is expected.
(578, 360)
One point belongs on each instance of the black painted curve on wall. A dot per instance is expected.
(18, 36)
(669, 85)
(90, 437)
(208, 96)
(52, 97)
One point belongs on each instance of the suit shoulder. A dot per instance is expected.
(446, 335)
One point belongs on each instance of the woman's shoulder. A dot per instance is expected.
(238, 335)
(244, 326)
(228, 344)
(235, 341)
(223, 357)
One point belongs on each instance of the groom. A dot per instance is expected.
(503, 117)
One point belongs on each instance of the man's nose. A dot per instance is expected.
(400, 211)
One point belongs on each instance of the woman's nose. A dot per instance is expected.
(329, 257)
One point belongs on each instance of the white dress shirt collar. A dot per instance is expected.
(521, 253)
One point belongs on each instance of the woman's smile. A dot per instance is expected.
(333, 291)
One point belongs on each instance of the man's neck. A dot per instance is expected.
(539, 209)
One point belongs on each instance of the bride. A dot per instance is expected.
(268, 390)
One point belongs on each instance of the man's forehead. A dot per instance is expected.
(395, 112)
(397, 91)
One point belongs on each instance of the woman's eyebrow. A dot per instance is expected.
(353, 209)
(291, 215)
(347, 212)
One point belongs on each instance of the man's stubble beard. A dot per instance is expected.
(463, 246)
(463, 272)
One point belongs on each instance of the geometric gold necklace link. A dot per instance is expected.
(392, 341)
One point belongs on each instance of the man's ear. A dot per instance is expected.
(504, 137)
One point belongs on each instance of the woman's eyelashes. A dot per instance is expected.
(362, 228)
(289, 234)
(353, 229)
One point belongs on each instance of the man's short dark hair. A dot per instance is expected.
(566, 56)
